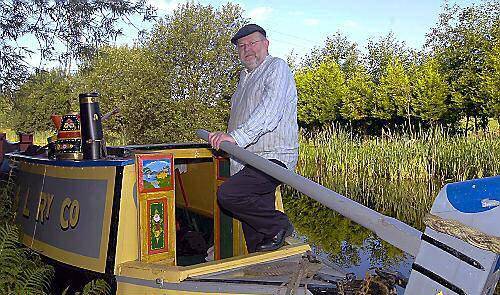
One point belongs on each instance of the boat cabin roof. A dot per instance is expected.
(117, 155)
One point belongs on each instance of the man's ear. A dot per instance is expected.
(266, 42)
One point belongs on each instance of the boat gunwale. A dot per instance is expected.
(176, 274)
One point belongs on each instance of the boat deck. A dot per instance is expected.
(296, 274)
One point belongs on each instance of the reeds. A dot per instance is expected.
(398, 175)
(422, 156)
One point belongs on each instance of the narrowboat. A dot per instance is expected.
(147, 217)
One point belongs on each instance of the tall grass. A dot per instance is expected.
(421, 156)
(398, 175)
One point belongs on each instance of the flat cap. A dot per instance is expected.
(247, 30)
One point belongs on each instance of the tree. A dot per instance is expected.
(339, 49)
(177, 81)
(460, 42)
(359, 100)
(45, 93)
(320, 90)
(4, 111)
(431, 93)
(490, 81)
(193, 51)
(123, 76)
(393, 94)
(382, 52)
(193, 48)
(78, 26)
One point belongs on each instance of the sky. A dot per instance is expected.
(300, 26)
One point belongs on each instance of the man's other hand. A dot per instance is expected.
(215, 138)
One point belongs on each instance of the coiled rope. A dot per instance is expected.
(464, 232)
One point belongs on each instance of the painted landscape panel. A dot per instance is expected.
(155, 173)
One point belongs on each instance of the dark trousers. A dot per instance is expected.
(249, 196)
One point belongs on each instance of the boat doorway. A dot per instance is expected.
(203, 231)
(195, 195)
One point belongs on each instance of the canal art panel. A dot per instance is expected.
(155, 173)
(156, 194)
(158, 218)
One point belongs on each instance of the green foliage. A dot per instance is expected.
(393, 97)
(193, 51)
(181, 76)
(45, 93)
(320, 90)
(358, 103)
(193, 48)
(382, 53)
(334, 85)
(21, 271)
(96, 287)
(309, 218)
(396, 173)
(79, 26)
(343, 239)
(339, 49)
(431, 93)
(4, 111)
(491, 74)
(122, 76)
(454, 77)
(175, 83)
(7, 203)
(460, 42)
(179, 80)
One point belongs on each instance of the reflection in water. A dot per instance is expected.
(349, 245)
(407, 201)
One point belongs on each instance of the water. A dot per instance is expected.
(345, 244)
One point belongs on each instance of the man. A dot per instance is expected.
(263, 120)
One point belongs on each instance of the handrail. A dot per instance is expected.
(389, 229)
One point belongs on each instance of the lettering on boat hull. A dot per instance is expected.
(65, 213)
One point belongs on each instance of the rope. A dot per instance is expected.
(306, 268)
(464, 232)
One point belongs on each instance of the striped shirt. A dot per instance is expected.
(263, 116)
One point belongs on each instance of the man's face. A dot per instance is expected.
(252, 50)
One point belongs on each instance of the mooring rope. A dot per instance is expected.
(464, 232)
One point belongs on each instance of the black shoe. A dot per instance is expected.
(275, 242)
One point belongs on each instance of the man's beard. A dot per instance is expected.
(251, 64)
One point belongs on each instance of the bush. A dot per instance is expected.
(44, 94)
